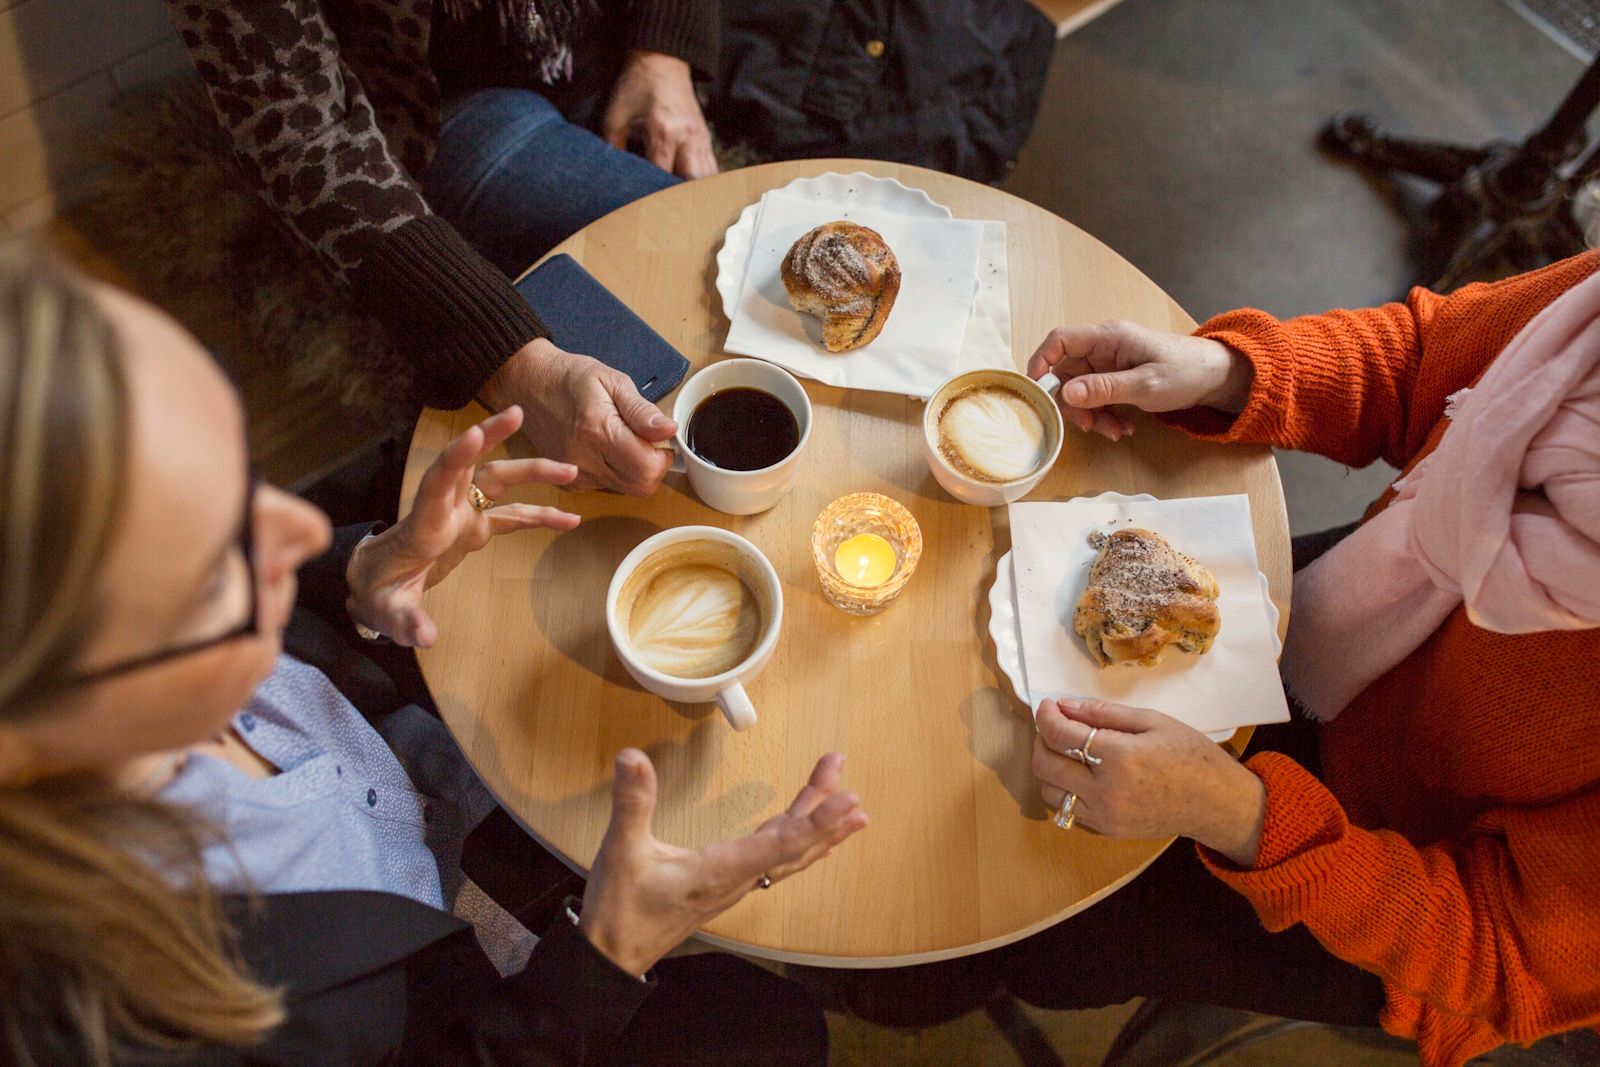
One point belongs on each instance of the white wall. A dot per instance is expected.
(61, 62)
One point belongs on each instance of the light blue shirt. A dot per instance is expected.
(350, 808)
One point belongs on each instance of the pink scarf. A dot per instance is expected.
(1504, 516)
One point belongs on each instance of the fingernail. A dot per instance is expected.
(660, 422)
(1067, 704)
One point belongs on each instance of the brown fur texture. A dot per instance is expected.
(178, 215)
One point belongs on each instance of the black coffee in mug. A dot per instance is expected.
(743, 429)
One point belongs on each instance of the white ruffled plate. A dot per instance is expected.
(862, 190)
(1007, 639)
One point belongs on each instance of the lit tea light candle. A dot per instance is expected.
(866, 547)
(865, 560)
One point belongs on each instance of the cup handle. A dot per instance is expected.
(1049, 383)
(735, 704)
(679, 466)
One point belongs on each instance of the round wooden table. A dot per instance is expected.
(960, 856)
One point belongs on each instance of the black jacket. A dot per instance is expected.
(948, 84)
(377, 978)
(374, 978)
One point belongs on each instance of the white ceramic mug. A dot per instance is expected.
(740, 492)
(972, 490)
(726, 688)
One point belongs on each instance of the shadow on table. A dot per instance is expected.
(999, 723)
(577, 566)
(715, 338)
(680, 770)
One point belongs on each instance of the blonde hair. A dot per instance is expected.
(110, 939)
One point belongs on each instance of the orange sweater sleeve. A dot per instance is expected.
(1486, 939)
(1362, 385)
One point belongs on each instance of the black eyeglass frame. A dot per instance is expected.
(249, 628)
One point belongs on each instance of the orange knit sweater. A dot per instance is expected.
(1453, 844)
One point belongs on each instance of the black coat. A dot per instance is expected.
(375, 978)
(948, 84)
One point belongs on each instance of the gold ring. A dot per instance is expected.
(478, 497)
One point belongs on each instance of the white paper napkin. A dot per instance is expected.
(1234, 684)
(922, 343)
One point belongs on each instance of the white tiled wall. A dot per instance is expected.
(61, 62)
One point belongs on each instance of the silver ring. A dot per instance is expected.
(367, 633)
(1065, 816)
(1081, 753)
(763, 882)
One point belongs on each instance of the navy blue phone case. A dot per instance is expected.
(584, 317)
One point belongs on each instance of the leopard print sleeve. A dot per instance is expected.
(299, 121)
(306, 134)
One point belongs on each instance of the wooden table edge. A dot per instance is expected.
(817, 959)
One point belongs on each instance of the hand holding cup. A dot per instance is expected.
(1120, 362)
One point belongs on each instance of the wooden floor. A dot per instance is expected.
(1069, 15)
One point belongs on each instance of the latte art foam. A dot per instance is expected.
(693, 620)
(992, 434)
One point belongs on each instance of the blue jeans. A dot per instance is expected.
(517, 179)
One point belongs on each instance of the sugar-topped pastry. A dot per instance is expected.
(1144, 596)
(845, 275)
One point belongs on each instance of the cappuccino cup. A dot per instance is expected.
(759, 454)
(694, 613)
(990, 436)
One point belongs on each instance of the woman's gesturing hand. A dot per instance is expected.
(1157, 777)
(645, 896)
(1120, 362)
(388, 573)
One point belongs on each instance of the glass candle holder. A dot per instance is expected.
(866, 547)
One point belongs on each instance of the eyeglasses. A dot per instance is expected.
(245, 540)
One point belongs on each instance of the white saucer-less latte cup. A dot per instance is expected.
(694, 613)
(990, 436)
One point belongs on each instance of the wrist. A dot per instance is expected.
(1237, 817)
(528, 372)
(357, 577)
(1232, 374)
(660, 60)
(627, 960)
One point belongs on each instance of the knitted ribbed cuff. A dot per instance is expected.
(449, 310)
(1303, 825)
(1261, 339)
(688, 29)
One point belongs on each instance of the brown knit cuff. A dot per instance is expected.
(447, 309)
(688, 29)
